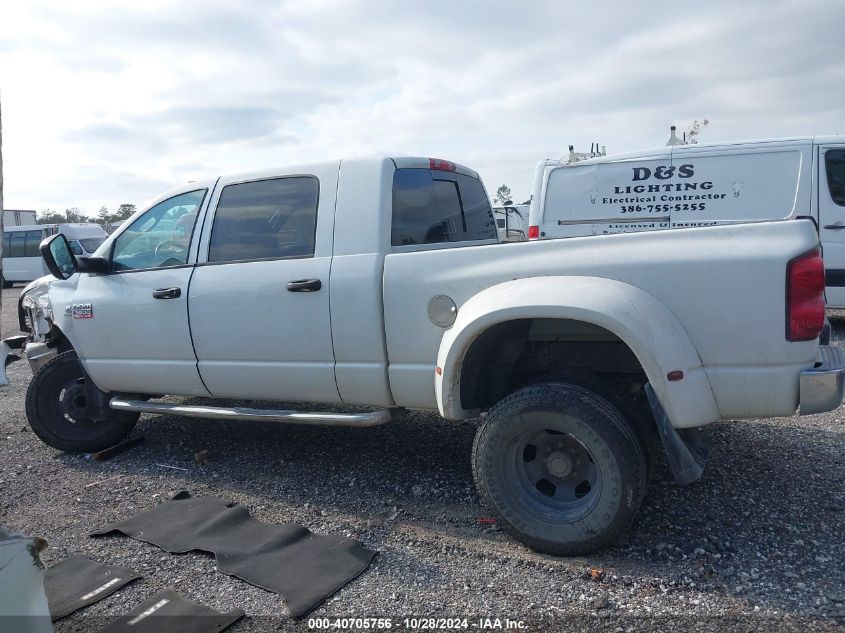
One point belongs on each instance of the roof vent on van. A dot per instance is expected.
(673, 138)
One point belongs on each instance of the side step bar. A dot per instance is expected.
(268, 415)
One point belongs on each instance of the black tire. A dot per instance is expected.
(560, 467)
(55, 408)
(7, 284)
(634, 407)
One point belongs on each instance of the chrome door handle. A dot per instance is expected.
(167, 293)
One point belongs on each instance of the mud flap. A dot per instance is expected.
(685, 449)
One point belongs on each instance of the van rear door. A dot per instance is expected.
(600, 198)
(832, 220)
(728, 184)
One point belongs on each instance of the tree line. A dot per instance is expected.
(104, 217)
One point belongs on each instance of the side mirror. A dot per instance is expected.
(56, 253)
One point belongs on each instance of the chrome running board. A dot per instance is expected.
(265, 415)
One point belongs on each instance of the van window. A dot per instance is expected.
(17, 245)
(834, 161)
(265, 219)
(434, 207)
(33, 240)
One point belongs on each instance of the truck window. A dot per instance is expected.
(265, 219)
(160, 236)
(434, 207)
(834, 161)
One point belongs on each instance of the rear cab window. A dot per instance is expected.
(435, 207)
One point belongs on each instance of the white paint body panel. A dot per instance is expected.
(652, 332)
(746, 181)
(709, 302)
(725, 285)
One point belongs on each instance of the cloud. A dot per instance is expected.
(104, 102)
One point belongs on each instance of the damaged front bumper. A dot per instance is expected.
(16, 348)
(823, 386)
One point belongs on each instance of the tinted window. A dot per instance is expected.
(160, 236)
(835, 165)
(432, 207)
(91, 244)
(17, 246)
(265, 219)
(33, 240)
(6, 240)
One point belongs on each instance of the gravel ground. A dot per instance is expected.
(756, 544)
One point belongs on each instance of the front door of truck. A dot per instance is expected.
(832, 221)
(131, 324)
(259, 298)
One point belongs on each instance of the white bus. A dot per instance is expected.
(21, 258)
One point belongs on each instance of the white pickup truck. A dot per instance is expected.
(381, 282)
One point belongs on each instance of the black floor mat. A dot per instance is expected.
(78, 581)
(168, 612)
(304, 568)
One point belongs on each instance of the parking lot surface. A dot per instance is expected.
(758, 543)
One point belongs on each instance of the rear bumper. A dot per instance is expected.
(823, 386)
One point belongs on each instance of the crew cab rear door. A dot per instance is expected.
(259, 296)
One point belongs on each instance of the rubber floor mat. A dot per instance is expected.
(168, 612)
(290, 560)
(78, 581)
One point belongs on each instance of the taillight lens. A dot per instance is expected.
(805, 297)
(533, 232)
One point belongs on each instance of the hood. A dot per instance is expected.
(46, 279)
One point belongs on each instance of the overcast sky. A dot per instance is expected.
(105, 103)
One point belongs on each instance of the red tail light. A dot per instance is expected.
(441, 165)
(805, 297)
(533, 232)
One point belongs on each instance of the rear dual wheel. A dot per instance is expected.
(56, 409)
(561, 468)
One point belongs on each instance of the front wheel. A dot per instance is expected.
(56, 410)
(560, 467)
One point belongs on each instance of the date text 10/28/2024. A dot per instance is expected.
(416, 624)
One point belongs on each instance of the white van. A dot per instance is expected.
(21, 258)
(700, 185)
(512, 222)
